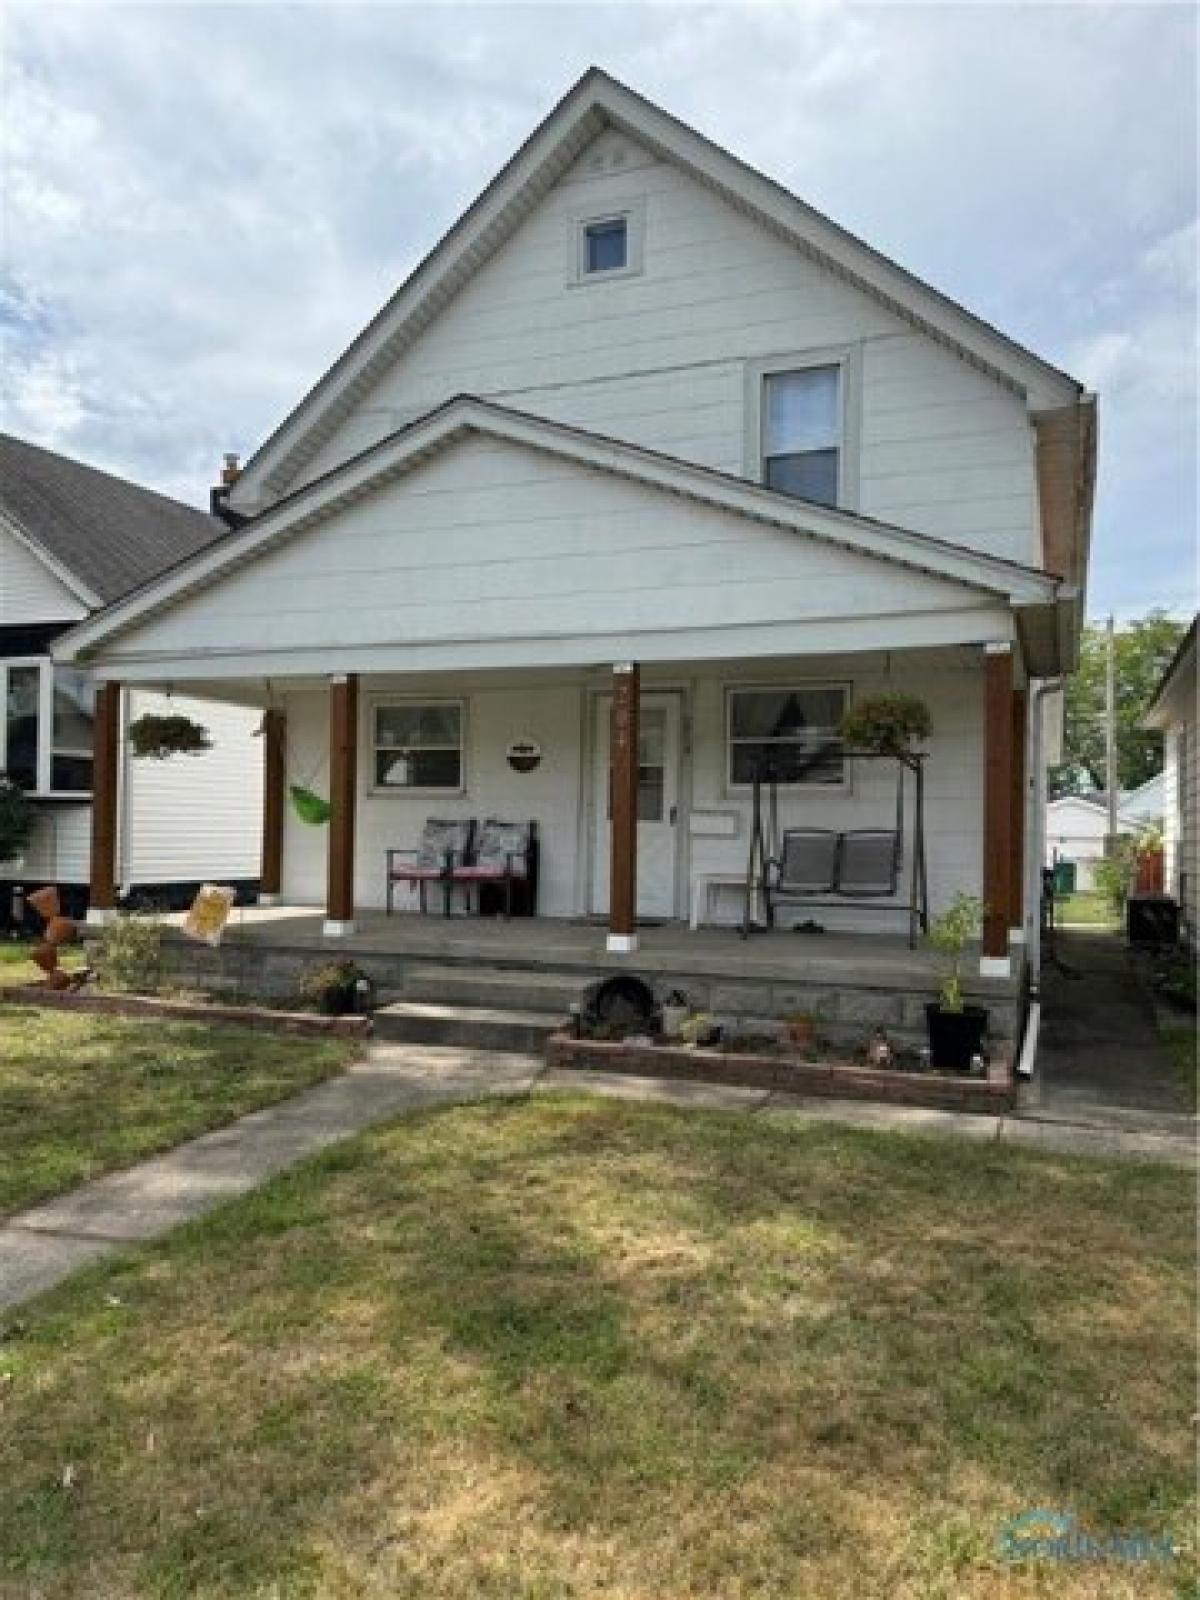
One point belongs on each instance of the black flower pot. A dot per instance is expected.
(339, 1002)
(955, 1036)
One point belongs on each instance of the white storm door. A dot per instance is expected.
(659, 725)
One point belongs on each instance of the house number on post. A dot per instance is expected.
(524, 755)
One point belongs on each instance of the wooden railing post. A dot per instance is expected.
(270, 877)
(106, 743)
(1020, 739)
(997, 803)
(343, 795)
(623, 758)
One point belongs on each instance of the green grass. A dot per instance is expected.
(529, 1351)
(81, 1094)
(1085, 910)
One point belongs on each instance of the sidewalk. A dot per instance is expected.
(42, 1246)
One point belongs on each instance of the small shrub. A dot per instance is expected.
(1113, 875)
(129, 955)
(337, 989)
(949, 934)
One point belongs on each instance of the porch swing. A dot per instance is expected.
(854, 869)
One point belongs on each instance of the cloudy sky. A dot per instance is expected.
(202, 205)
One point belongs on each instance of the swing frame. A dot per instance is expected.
(764, 852)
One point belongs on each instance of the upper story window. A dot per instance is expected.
(47, 727)
(606, 245)
(802, 433)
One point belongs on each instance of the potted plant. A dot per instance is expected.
(888, 724)
(16, 820)
(338, 989)
(956, 1030)
(156, 738)
(676, 1009)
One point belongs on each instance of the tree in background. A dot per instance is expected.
(1143, 652)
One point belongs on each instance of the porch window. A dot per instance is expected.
(802, 433)
(788, 734)
(46, 733)
(418, 745)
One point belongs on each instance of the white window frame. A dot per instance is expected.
(382, 702)
(45, 752)
(790, 686)
(632, 212)
(848, 360)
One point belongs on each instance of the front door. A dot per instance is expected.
(659, 726)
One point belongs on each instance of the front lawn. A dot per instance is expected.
(567, 1348)
(81, 1093)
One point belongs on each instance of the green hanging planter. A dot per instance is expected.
(309, 807)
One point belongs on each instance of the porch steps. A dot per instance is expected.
(480, 1007)
(469, 1027)
(526, 989)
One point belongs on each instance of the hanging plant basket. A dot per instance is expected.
(888, 724)
(155, 738)
(309, 807)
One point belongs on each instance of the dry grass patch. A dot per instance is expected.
(81, 1094)
(569, 1348)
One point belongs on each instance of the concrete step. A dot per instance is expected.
(527, 989)
(469, 1027)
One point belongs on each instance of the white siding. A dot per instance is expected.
(557, 794)
(29, 591)
(492, 540)
(1181, 819)
(196, 816)
(660, 358)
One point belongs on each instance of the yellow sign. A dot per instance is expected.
(209, 914)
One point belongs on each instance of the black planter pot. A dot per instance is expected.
(340, 1002)
(955, 1036)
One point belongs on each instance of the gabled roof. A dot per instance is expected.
(405, 450)
(103, 536)
(1179, 675)
(598, 101)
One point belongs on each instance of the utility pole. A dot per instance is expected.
(1110, 737)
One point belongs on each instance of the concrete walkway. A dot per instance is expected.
(42, 1246)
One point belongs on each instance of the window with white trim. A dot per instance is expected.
(791, 735)
(802, 433)
(46, 733)
(609, 244)
(418, 746)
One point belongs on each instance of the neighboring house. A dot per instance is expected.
(643, 430)
(73, 540)
(1076, 828)
(1173, 713)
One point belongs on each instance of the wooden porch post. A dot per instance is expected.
(102, 888)
(343, 794)
(1016, 883)
(623, 758)
(270, 877)
(997, 803)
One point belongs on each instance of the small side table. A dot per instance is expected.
(703, 884)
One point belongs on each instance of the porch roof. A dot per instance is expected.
(969, 596)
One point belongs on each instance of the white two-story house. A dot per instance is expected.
(644, 430)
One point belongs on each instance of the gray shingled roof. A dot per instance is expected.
(108, 533)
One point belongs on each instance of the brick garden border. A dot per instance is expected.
(837, 1080)
(138, 1005)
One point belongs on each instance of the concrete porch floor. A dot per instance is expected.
(880, 961)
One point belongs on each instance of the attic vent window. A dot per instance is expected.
(606, 245)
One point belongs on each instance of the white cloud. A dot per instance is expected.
(202, 205)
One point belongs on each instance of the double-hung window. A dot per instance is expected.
(802, 433)
(46, 728)
(418, 746)
(786, 735)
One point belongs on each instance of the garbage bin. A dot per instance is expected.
(1064, 878)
